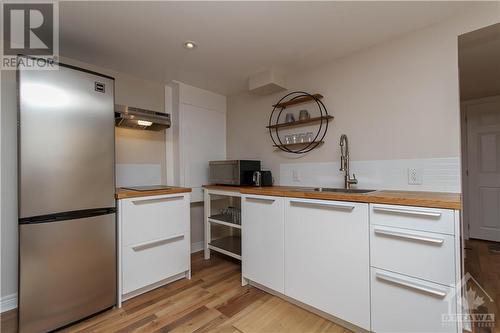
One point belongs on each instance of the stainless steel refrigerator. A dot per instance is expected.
(67, 223)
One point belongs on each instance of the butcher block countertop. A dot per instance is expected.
(122, 193)
(407, 198)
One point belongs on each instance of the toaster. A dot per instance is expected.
(262, 178)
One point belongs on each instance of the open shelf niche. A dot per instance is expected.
(223, 223)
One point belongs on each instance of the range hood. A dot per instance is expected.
(131, 117)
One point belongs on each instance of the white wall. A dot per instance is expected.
(396, 101)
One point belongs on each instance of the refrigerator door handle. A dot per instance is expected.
(67, 215)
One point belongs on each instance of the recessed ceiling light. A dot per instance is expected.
(189, 45)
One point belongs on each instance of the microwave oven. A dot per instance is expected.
(235, 172)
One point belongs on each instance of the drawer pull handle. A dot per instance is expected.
(409, 236)
(402, 282)
(149, 201)
(407, 211)
(158, 242)
(323, 205)
(260, 199)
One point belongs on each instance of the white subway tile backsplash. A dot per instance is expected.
(438, 174)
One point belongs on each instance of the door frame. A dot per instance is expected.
(465, 158)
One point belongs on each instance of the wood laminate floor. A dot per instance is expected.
(212, 301)
(484, 266)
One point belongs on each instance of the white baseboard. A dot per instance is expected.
(8, 302)
(196, 247)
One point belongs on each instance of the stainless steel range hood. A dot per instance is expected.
(131, 117)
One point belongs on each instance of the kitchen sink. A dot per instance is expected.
(340, 190)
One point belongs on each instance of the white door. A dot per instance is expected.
(483, 149)
(327, 257)
(263, 245)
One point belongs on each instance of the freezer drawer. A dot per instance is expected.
(153, 261)
(425, 255)
(66, 142)
(67, 271)
(145, 219)
(403, 304)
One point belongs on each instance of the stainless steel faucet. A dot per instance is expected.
(344, 162)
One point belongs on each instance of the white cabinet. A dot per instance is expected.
(202, 139)
(404, 304)
(154, 242)
(383, 268)
(327, 257)
(263, 241)
(198, 135)
(415, 268)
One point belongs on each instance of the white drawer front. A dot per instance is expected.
(420, 254)
(150, 218)
(403, 304)
(149, 262)
(416, 218)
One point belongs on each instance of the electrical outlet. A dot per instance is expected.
(295, 175)
(414, 176)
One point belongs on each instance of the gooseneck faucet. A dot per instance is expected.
(344, 162)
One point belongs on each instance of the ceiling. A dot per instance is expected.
(235, 39)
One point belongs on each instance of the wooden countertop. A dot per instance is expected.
(122, 193)
(407, 198)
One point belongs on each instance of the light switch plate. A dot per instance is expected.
(295, 175)
(414, 176)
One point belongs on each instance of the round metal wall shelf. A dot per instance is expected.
(295, 98)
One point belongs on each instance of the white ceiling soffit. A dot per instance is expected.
(234, 39)
(266, 83)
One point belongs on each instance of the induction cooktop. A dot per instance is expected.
(148, 188)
